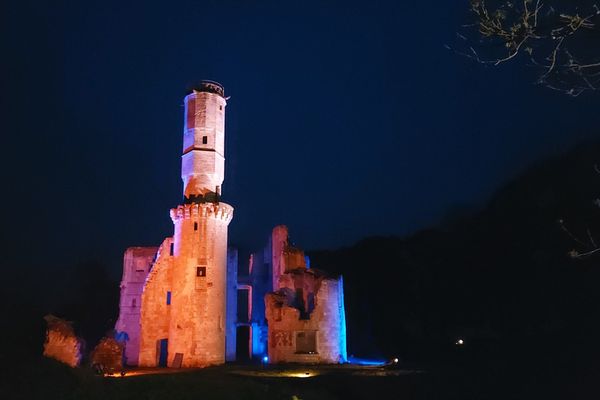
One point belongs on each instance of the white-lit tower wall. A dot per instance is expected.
(197, 326)
(203, 159)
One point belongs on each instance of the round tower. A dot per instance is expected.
(203, 159)
(199, 283)
(199, 270)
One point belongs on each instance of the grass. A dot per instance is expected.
(48, 379)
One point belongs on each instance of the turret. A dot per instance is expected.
(203, 159)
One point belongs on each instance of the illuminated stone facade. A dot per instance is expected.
(305, 311)
(173, 308)
(137, 263)
(183, 303)
(61, 342)
(288, 311)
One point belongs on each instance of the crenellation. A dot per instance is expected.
(194, 211)
(181, 321)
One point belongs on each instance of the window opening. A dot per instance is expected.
(306, 342)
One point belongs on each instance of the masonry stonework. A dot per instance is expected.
(179, 317)
(179, 301)
(305, 314)
(137, 263)
(61, 342)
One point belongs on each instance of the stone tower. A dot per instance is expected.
(199, 271)
(203, 160)
(182, 320)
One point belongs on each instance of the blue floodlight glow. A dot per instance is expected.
(259, 334)
(342, 334)
(366, 362)
(265, 359)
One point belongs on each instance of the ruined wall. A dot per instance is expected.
(61, 342)
(199, 284)
(285, 257)
(331, 318)
(305, 312)
(279, 241)
(325, 325)
(155, 312)
(302, 303)
(137, 262)
(260, 279)
(232, 286)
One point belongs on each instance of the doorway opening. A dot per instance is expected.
(243, 343)
(163, 345)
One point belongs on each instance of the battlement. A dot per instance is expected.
(195, 210)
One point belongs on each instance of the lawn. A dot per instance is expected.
(48, 379)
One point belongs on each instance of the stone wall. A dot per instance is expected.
(331, 319)
(199, 283)
(305, 314)
(183, 302)
(278, 241)
(155, 312)
(288, 318)
(232, 286)
(137, 263)
(61, 342)
(261, 280)
(203, 171)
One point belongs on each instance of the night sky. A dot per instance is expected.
(346, 120)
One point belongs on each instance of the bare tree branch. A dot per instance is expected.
(564, 45)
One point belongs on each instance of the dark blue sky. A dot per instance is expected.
(346, 119)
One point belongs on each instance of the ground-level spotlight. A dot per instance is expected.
(307, 374)
(460, 342)
(395, 360)
(265, 359)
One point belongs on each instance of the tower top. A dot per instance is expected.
(208, 87)
(203, 158)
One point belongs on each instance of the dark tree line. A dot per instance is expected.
(502, 278)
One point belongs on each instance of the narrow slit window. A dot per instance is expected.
(168, 298)
(195, 226)
(220, 108)
(172, 248)
(204, 139)
(132, 302)
(201, 271)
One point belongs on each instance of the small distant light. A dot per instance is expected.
(395, 360)
(265, 359)
(460, 342)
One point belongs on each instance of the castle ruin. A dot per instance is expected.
(183, 304)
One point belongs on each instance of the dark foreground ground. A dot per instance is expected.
(51, 380)
(47, 379)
